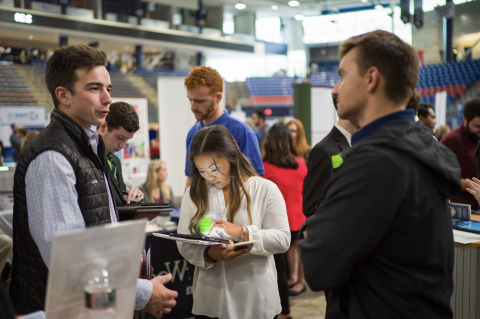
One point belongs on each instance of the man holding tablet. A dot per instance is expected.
(381, 245)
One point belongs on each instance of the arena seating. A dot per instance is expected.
(150, 76)
(271, 91)
(13, 90)
(452, 77)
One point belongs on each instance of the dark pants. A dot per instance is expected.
(281, 265)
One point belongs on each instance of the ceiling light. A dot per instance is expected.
(293, 3)
(274, 7)
(30, 37)
(378, 7)
(299, 17)
(364, 1)
(240, 6)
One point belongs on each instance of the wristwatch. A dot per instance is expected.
(206, 257)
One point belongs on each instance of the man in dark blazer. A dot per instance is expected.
(322, 163)
(120, 125)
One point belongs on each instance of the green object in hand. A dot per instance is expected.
(205, 225)
(337, 161)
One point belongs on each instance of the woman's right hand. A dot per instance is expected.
(225, 252)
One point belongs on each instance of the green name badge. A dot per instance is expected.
(337, 161)
(205, 225)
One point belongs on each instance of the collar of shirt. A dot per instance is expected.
(377, 124)
(220, 120)
(345, 133)
(93, 137)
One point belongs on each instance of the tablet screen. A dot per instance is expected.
(468, 225)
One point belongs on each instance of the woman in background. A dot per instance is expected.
(156, 189)
(287, 171)
(298, 134)
(27, 140)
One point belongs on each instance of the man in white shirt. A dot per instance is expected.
(321, 166)
(60, 182)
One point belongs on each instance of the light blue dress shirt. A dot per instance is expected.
(52, 203)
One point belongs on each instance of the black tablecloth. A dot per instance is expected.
(166, 259)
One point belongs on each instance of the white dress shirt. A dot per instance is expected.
(345, 133)
(245, 287)
(52, 203)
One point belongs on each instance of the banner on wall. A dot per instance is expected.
(136, 155)
(31, 117)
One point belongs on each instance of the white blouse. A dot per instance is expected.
(245, 287)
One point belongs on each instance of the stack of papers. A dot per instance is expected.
(463, 237)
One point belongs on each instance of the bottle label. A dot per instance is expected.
(100, 300)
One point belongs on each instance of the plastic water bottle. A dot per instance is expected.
(100, 295)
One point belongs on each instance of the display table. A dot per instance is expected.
(465, 300)
(167, 259)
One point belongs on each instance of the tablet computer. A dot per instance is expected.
(467, 225)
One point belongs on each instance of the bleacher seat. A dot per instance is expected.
(13, 90)
(270, 91)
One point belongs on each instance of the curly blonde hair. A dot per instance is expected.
(204, 76)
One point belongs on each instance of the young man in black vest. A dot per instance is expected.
(120, 125)
(60, 182)
(382, 245)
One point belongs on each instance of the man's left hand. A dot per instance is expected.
(133, 194)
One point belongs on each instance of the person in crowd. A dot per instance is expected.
(22, 132)
(229, 200)
(441, 131)
(382, 244)
(120, 125)
(474, 188)
(60, 181)
(463, 142)
(15, 141)
(413, 102)
(3, 152)
(323, 163)
(156, 188)
(27, 140)
(204, 90)
(299, 138)
(6, 245)
(250, 123)
(287, 171)
(426, 115)
(259, 119)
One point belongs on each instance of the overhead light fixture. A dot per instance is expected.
(299, 17)
(240, 6)
(364, 1)
(274, 7)
(378, 7)
(30, 37)
(293, 3)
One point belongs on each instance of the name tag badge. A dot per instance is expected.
(94, 181)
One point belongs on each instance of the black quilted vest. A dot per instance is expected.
(63, 135)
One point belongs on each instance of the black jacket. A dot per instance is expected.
(320, 169)
(116, 187)
(382, 242)
(63, 135)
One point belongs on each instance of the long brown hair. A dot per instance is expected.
(217, 140)
(300, 140)
(27, 140)
(278, 148)
(153, 182)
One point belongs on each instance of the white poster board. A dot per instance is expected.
(73, 254)
(441, 108)
(323, 113)
(136, 154)
(31, 117)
